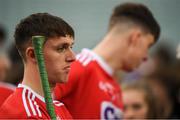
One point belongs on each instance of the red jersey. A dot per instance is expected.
(5, 90)
(24, 103)
(91, 91)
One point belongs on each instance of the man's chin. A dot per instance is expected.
(64, 80)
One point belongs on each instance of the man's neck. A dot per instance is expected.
(32, 79)
(106, 51)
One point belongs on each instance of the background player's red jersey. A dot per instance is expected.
(91, 91)
(5, 90)
(24, 103)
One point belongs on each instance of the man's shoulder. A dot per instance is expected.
(23, 104)
(12, 107)
(13, 100)
(84, 58)
(61, 110)
(6, 91)
(79, 71)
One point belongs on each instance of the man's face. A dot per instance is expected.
(138, 52)
(135, 106)
(58, 56)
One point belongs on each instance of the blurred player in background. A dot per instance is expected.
(27, 102)
(92, 90)
(5, 88)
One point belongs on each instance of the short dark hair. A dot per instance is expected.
(43, 24)
(138, 14)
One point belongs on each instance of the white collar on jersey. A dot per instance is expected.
(28, 88)
(100, 60)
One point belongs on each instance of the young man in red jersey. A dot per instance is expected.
(27, 102)
(92, 92)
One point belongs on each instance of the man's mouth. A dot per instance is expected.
(67, 69)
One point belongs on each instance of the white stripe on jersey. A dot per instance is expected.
(25, 103)
(85, 58)
(89, 59)
(30, 102)
(34, 107)
(78, 56)
(30, 105)
(37, 106)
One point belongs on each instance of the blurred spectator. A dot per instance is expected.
(139, 101)
(162, 56)
(17, 65)
(5, 88)
(162, 73)
(166, 84)
(4, 66)
(163, 99)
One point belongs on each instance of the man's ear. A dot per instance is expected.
(134, 38)
(30, 55)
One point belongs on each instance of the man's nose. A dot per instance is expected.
(71, 56)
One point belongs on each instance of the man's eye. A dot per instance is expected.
(62, 49)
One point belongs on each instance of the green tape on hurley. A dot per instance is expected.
(38, 42)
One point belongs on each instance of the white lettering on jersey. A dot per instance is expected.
(57, 103)
(108, 88)
(110, 111)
